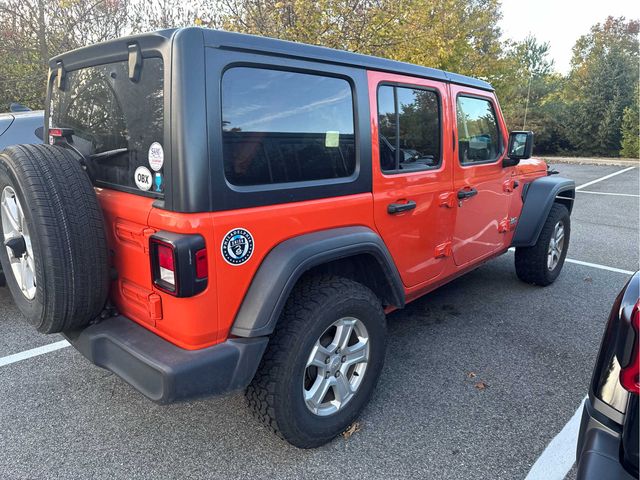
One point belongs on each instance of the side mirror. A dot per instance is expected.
(520, 148)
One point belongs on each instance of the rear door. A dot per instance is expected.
(412, 174)
(480, 182)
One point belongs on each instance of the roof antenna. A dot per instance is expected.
(526, 106)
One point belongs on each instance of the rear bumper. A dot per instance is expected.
(162, 371)
(598, 454)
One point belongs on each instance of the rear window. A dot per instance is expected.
(409, 129)
(280, 126)
(117, 123)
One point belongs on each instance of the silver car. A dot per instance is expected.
(21, 126)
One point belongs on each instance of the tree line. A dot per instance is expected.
(592, 110)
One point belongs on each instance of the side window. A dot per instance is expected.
(409, 129)
(280, 126)
(478, 132)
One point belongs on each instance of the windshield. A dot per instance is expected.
(117, 124)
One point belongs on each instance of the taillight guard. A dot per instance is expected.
(178, 263)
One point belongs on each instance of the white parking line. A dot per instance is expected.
(34, 352)
(603, 178)
(560, 455)
(608, 193)
(593, 265)
(601, 267)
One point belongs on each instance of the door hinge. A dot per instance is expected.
(510, 185)
(447, 199)
(507, 186)
(507, 224)
(443, 250)
(155, 307)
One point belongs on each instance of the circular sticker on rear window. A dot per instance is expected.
(143, 178)
(156, 156)
(237, 246)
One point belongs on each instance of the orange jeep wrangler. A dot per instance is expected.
(218, 211)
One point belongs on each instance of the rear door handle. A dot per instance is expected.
(401, 207)
(462, 194)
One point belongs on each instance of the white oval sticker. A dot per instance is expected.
(156, 156)
(143, 178)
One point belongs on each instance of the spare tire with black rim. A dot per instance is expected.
(54, 251)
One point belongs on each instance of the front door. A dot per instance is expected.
(480, 182)
(412, 184)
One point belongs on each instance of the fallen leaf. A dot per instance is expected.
(471, 375)
(481, 385)
(351, 429)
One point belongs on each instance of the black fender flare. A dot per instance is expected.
(538, 198)
(287, 262)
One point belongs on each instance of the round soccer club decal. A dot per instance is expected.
(237, 246)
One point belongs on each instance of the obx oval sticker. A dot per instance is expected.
(237, 246)
(143, 178)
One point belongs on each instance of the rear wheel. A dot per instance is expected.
(53, 252)
(541, 264)
(322, 363)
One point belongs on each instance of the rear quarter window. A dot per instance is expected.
(281, 126)
(115, 122)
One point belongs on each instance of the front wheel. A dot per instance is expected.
(541, 264)
(322, 363)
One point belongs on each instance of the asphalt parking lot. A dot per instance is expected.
(531, 348)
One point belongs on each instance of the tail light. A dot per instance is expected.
(57, 135)
(630, 372)
(178, 263)
(166, 277)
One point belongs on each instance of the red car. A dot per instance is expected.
(221, 211)
(609, 433)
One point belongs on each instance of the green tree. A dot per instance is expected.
(32, 31)
(601, 85)
(631, 129)
(531, 94)
(458, 35)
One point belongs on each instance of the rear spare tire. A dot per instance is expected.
(52, 242)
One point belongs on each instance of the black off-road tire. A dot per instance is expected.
(531, 262)
(276, 393)
(67, 235)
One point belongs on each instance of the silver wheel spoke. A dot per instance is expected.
(342, 389)
(10, 219)
(355, 354)
(318, 391)
(343, 333)
(23, 274)
(318, 356)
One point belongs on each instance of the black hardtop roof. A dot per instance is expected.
(241, 41)
(257, 44)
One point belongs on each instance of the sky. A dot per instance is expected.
(560, 22)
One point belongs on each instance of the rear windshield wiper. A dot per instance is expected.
(108, 154)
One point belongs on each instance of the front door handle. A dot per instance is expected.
(462, 194)
(401, 207)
